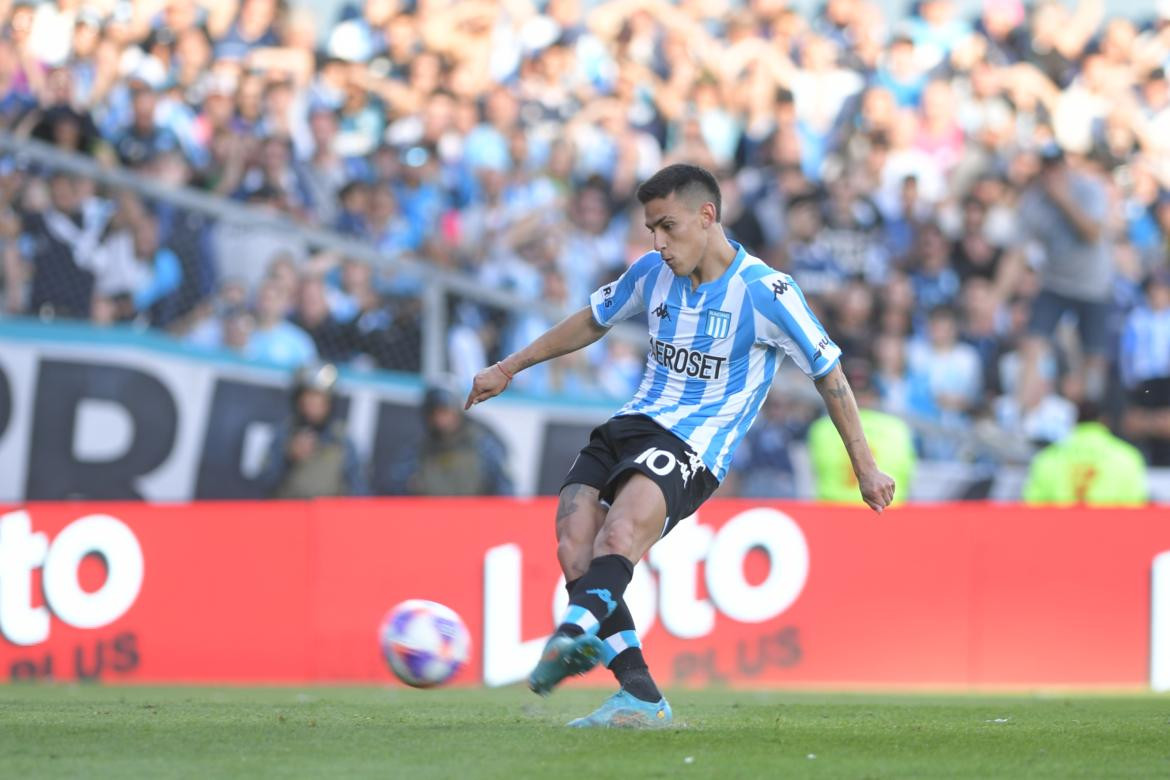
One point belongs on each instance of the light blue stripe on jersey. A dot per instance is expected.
(707, 299)
(746, 417)
(694, 387)
(665, 333)
(624, 289)
(824, 334)
(778, 313)
(820, 327)
(745, 335)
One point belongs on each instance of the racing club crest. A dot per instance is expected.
(718, 323)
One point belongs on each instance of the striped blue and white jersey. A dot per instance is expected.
(714, 350)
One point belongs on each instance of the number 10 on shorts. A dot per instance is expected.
(661, 462)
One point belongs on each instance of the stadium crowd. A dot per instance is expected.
(978, 208)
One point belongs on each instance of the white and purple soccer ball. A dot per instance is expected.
(424, 642)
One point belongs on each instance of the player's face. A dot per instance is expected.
(678, 230)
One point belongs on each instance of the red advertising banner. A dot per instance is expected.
(742, 593)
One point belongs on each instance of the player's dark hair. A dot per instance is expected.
(684, 179)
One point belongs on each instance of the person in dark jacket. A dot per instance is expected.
(456, 455)
(311, 455)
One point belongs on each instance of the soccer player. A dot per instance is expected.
(720, 322)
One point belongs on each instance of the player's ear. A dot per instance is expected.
(707, 214)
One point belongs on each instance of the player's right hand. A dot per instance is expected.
(877, 489)
(488, 383)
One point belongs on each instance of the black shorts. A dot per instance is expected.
(637, 443)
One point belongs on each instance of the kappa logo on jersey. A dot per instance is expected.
(686, 361)
(778, 289)
(662, 312)
(718, 323)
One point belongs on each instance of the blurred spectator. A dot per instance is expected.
(952, 372)
(853, 230)
(903, 228)
(981, 322)
(238, 326)
(455, 455)
(851, 324)
(1091, 467)
(900, 390)
(275, 339)
(311, 455)
(144, 137)
(902, 73)
(1064, 210)
(935, 282)
(132, 268)
(333, 340)
(974, 256)
(62, 241)
(387, 229)
(810, 258)
(1145, 370)
(595, 244)
(245, 249)
(937, 31)
(1043, 419)
(888, 435)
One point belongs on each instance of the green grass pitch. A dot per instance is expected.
(93, 731)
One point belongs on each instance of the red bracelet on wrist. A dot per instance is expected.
(502, 371)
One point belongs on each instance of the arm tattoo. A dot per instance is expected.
(839, 390)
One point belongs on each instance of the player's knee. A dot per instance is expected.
(574, 557)
(617, 537)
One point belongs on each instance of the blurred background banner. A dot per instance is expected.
(744, 593)
(144, 418)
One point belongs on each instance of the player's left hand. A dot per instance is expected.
(877, 488)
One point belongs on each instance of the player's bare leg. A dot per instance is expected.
(598, 620)
(634, 521)
(580, 515)
(631, 526)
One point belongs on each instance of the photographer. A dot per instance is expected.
(311, 455)
(453, 455)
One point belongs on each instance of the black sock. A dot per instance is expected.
(598, 592)
(634, 676)
(628, 666)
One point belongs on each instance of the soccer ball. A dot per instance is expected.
(424, 642)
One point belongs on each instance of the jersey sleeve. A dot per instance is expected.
(784, 321)
(626, 297)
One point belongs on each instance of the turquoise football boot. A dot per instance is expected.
(564, 656)
(624, 711)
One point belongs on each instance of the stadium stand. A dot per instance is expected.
(426, 185)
